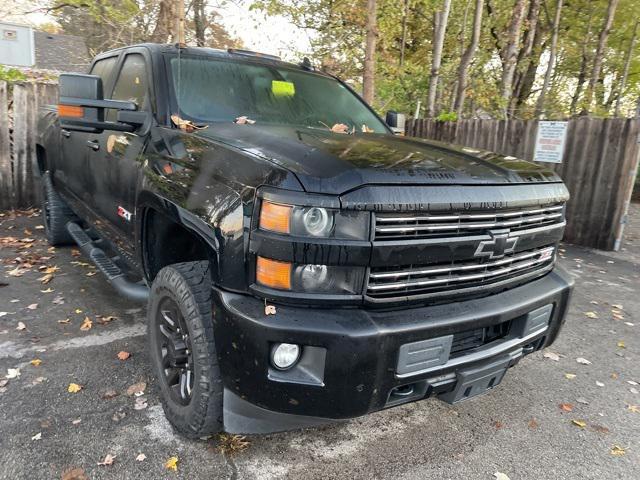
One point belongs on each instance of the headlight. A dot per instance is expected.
(325, 279)
(314, 221)
(318, 222)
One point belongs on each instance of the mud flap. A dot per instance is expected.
(478, 380)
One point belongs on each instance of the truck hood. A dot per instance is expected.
(332, 163)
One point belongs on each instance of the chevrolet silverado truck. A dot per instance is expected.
(301, 263)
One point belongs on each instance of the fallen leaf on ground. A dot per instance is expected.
(105, 320)
(618, 451)
(141, 457)
(2, 314)
(231, 444)
(109, 394)
(86, 324)
(591, 314)
(599, 384)
(37, 436)
(59, 300)
(74, 388)
(570, 376)
(140, 404)
(617, 306)
(108, 460)
(566, 407)
(3, 382)
(123, 355)
(632, 382)
(551, 356)
(579, 423)
(13, 373)
(65, 321)
(136, 388)
(78, 310)
(501, 476)
(74, 474)
(583, 401)
(172, 464)
(46, 278)
(583, 361)
(48, 290)
(634, 408)
(36, 362)
(76, 421)
(532, 424)
(600, 429)
(33, 306)
(21, 326)
(621, 344)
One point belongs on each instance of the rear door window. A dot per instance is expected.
(132, 85)
(104, 69)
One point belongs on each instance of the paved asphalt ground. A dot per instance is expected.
(518, 429)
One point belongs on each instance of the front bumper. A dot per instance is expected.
(355, 362)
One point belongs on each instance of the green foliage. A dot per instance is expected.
(447, 117)
(337, 32)
(11, 74)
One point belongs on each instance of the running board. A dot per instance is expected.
(133, 291)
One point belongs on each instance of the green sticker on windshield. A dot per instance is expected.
(283, 89)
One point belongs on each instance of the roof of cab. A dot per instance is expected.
(159, 48)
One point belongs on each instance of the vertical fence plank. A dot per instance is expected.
(6, 177)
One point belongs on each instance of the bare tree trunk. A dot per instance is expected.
(467, 58)
(164, 24)
(582, 75)
(599, 55)
(368, 78)
(552, 60)
(525, 56)
(405, 18)
(510, 56)
(625, 73)
(440, 29)
(199, 21)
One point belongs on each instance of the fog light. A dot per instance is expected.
(284, 355)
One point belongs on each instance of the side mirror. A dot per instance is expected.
(82, 104)
(396, 122)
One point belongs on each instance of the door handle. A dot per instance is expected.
(93, 145)
(65, 133)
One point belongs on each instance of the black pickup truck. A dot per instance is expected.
(301, 262)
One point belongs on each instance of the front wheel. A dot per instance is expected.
(182, 349)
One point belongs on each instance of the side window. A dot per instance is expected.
(131, 84)
(104, 69)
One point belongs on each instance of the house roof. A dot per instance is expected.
(64, 53)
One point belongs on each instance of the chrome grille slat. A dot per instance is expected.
(397, 226)
(517, 264)
(471, 266)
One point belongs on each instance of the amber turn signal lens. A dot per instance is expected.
(273, 274)
(70, 111)
(275, 217)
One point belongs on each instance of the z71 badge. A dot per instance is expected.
(124, 214)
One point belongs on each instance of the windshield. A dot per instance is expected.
(211, 90)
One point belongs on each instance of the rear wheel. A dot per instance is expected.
(182, 349)
(55, 214)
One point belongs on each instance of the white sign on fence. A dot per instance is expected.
(550, 142)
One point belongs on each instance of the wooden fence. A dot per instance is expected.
(599, 166)
(19, 103)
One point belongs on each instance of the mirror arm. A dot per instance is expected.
(86, 102)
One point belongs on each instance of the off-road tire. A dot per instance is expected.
(55, 214)
(189, 285)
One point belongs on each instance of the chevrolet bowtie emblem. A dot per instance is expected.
(499, 245)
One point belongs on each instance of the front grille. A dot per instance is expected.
(387, 283)
(390, 226)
